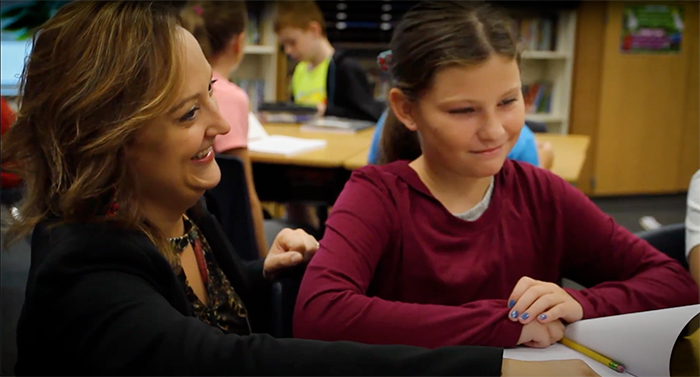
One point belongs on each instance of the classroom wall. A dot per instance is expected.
(585, 93)
(690, 150)
(641, 110)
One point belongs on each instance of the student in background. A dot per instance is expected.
(219, 27)
(117, 267)
(692, 227)
(526, 149)
(461, 245)
(328, 79)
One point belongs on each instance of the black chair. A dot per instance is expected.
(229, 202)
(536, 127)
(285, 289)
(668, 239)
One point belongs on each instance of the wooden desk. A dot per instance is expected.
(569, 155)
(313, 177)
(319, 176)
(358, 160)
(338, 149)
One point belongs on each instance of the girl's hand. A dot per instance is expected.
(533, 299)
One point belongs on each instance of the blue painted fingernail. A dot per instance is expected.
(511, 304)
(525, 316)
(514, 314)
(543, 317)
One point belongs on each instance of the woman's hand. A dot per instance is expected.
(290, 248)
(541, 335)
(533, 299)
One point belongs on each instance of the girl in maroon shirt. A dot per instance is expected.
(456, 245)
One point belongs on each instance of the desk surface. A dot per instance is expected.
(358, 160)
(350, 150)
(569, 155)
(340, 147)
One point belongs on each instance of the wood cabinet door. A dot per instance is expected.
(646, 111)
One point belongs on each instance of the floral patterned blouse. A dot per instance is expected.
(225, 309)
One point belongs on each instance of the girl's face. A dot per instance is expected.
(470, 118)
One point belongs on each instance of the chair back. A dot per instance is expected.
(229, 202)
(668, 239)
(285, 289)
(536, 127)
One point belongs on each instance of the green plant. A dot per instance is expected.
(26, 16)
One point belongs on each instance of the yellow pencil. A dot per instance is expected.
(612, 364)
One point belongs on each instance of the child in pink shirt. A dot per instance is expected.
(234, 107)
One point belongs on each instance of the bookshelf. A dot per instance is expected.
(544, 55)
(260, 50)
(257, 73)
(544, 60)
(547, 66)
(545, 118)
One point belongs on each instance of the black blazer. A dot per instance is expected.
(103, 301)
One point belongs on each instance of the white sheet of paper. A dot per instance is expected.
(256, 131)
(643, 341)
(285, 145)
(558, 351)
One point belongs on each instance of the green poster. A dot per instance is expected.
(651, 28)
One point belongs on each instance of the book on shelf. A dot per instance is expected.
(538, 97)
(255, 89)
(537, 33)
(546, 36)
(641, 342)
(336, 125)
(252, 29)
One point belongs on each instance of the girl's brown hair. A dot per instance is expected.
(97, 73)
(214, 23)
(430, 37)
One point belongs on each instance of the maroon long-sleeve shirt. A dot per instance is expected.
(395, 267)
